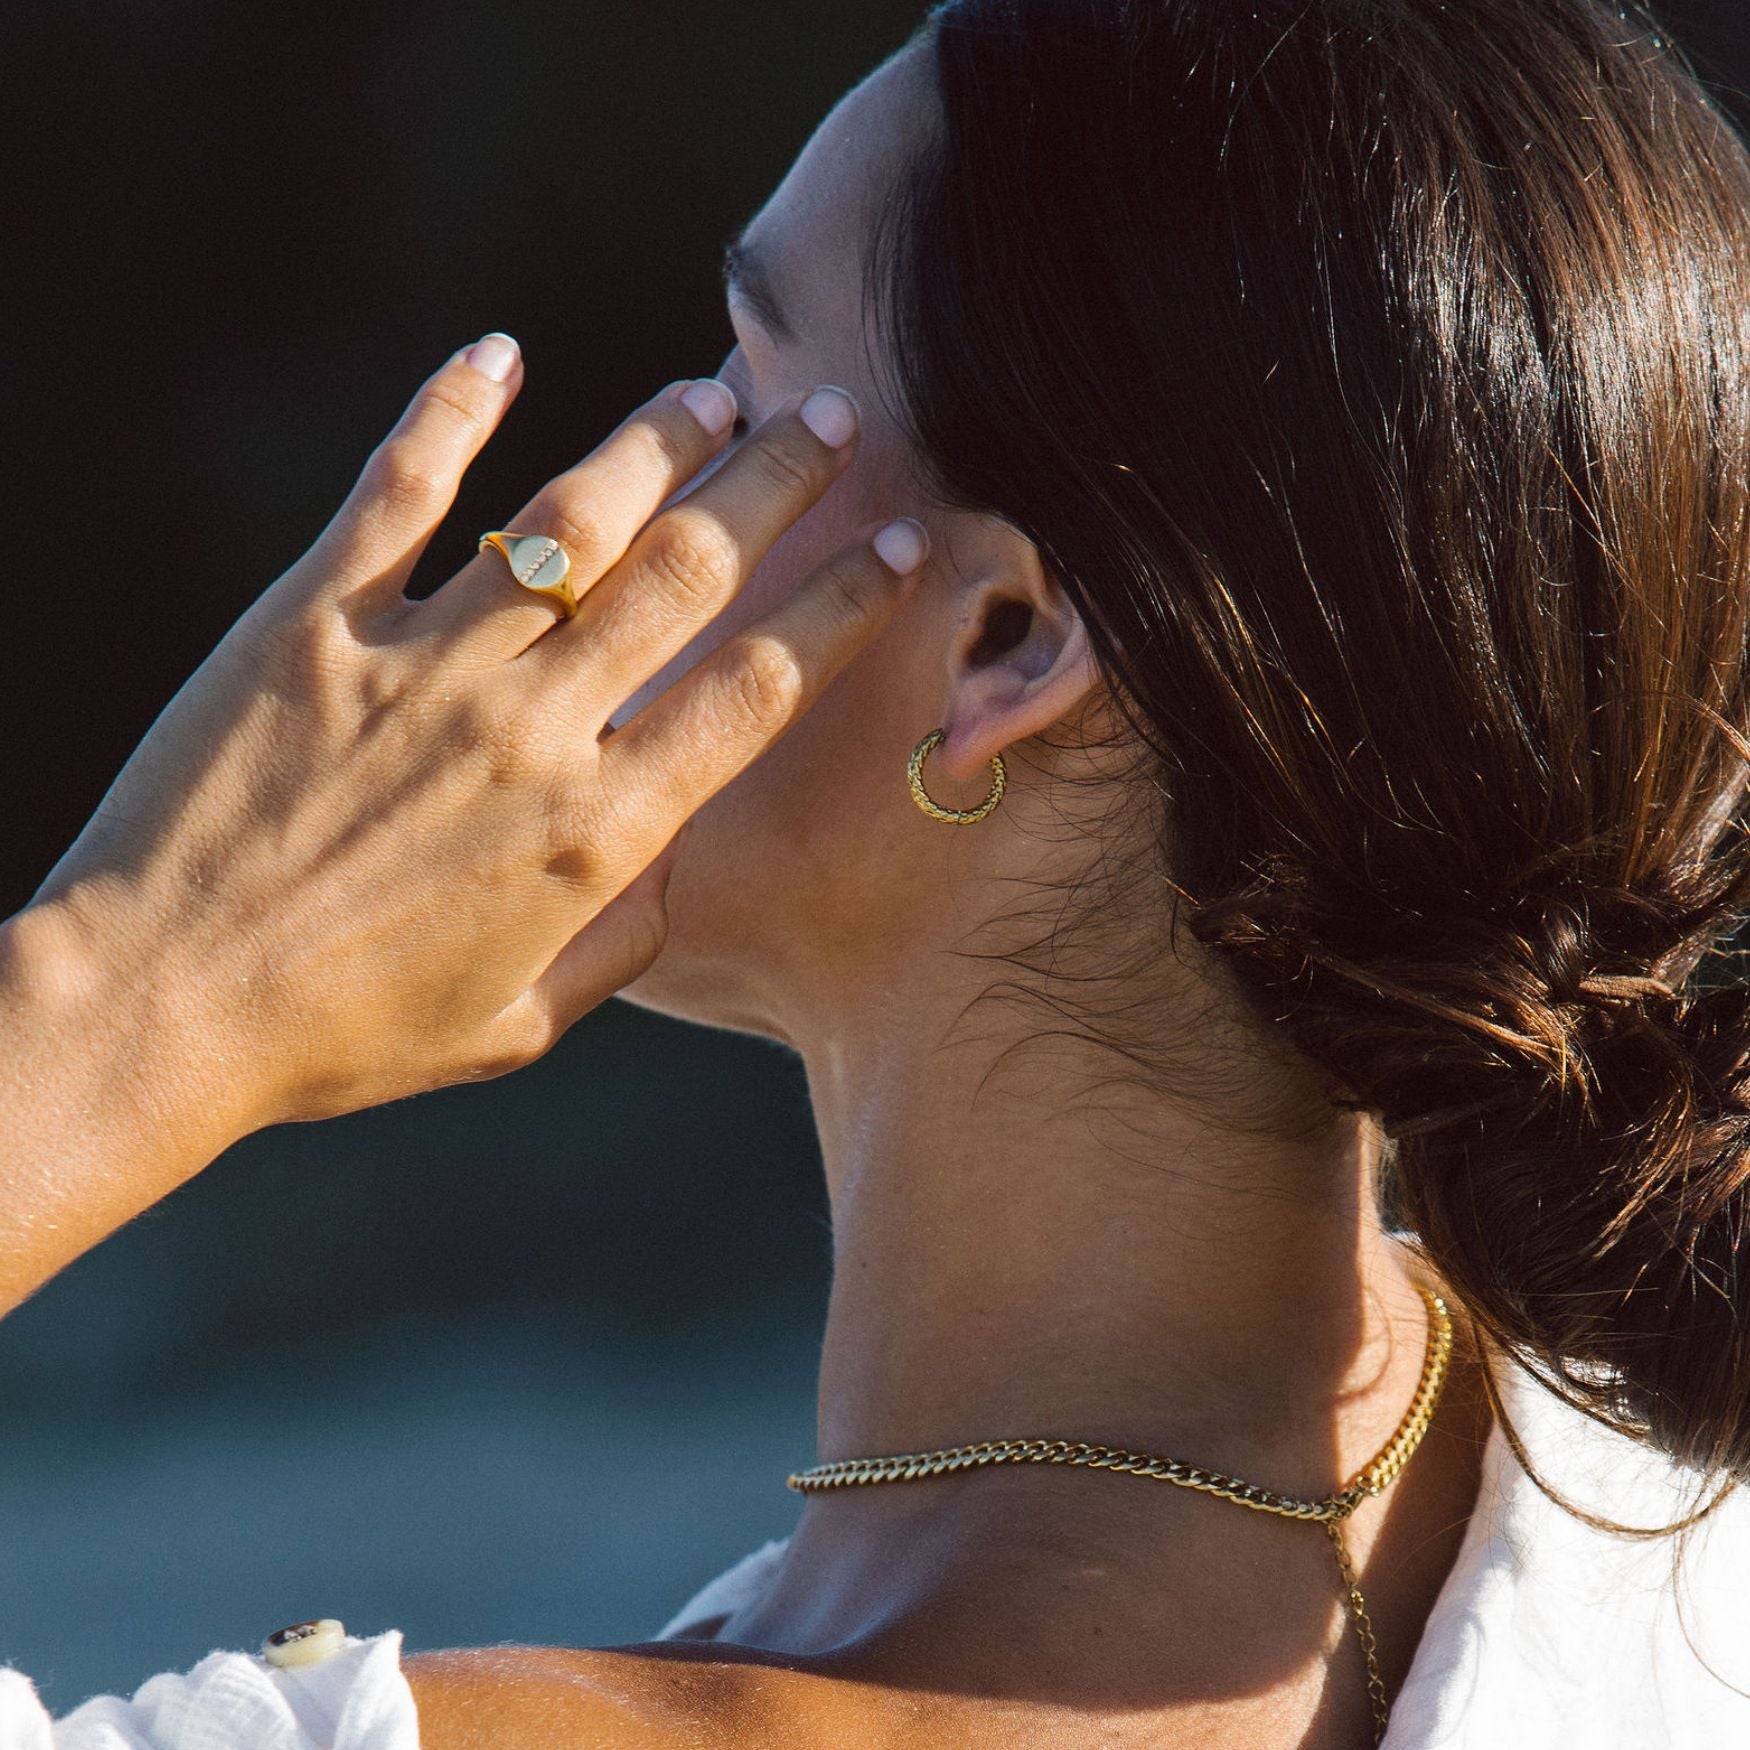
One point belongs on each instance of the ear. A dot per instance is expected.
(1019, 662)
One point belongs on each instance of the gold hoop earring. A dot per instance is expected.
(914, 776)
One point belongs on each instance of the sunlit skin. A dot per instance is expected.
(1045, 1253)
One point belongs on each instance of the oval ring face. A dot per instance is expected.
(538, 561)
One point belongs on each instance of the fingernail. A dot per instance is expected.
(832, 416)
(711, 403)
(903, 545)
(494, 355)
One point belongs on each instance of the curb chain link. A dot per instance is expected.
(1372, 1479)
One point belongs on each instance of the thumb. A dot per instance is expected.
(615, 946)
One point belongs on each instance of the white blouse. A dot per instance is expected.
(1548, 1634)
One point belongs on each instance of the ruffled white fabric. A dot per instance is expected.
(355, 1699)
(1548, 1634)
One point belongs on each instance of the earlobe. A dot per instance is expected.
(1022, 664)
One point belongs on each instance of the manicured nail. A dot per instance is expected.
(711, 403)
(832, 416)
(903, 545)
(494, 355)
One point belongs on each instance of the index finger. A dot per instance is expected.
(410, 479)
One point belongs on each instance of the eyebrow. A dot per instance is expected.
(747, 276)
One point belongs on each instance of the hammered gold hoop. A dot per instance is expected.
(914, 776)
(538, 563)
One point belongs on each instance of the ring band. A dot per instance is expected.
(538, 562)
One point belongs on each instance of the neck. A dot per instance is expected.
(1072, 1259)
(1031, 1240)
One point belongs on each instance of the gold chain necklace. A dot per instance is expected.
(1371, 1479)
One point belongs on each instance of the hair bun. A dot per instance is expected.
(1571, 1152)
(1595, 1224)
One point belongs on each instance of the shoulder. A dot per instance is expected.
(507, 1697)
(652, 1695)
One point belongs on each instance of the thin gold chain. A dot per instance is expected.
(1372, 1479)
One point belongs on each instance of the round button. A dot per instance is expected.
(304, 1643)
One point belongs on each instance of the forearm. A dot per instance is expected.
(107, 1102)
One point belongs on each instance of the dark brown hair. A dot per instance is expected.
(1375, 377)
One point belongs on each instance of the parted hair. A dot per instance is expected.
(1374, 375)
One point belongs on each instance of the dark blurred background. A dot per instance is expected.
(522, 1361)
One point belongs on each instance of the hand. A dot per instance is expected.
(376, 846)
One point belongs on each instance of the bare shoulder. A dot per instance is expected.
(665, 1695)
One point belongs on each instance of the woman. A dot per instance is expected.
(1329, 422)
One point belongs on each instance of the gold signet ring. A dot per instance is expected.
(537, 562)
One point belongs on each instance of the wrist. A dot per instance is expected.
(92, 1138)
(107, 1019)
(105, 1104)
